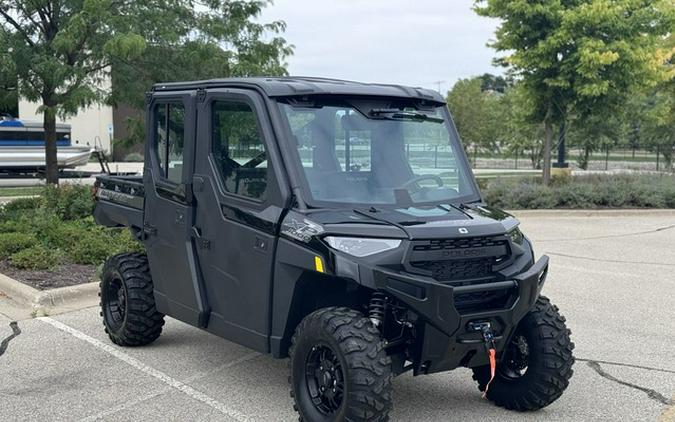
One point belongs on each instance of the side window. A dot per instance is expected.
(238, 149)
(170, 137)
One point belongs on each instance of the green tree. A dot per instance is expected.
(596, 132)
(520, 132)
(656, 116)
(577, 57)
(8, 82)
(63, 50)
(475, 113)
(193, 60)
(657, 113)
(490, 82)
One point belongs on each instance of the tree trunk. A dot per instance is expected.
(52, 169)
(587, 157)
(548, 143)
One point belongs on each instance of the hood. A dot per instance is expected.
(415, 223)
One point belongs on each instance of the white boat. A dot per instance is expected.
(22, 146)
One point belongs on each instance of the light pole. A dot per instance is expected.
(438, 84)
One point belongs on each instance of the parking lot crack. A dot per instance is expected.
(627, 365)
(610, 236)
(652, 394)
(15, 332)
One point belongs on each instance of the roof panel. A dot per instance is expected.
(299, 85)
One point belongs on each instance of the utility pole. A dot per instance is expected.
(438, 84)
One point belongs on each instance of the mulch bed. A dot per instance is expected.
(62, 276)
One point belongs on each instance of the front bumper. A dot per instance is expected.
(444, 338)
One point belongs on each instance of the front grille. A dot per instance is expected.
(459, 259)
(457, 270)
(464, 261)
(464, 243)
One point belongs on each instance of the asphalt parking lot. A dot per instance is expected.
(612, 275)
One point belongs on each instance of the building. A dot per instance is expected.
(96, 125)
(92, 126)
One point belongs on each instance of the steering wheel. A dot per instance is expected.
(415, 180)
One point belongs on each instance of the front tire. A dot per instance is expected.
(128, 307)
(536, 365)
(339, 368)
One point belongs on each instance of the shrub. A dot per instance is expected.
(134, 157)
(91, 248)
(95, 246)
(22, 204)
(69, 202)
(40, 233)
(52, 230)
(613, 191)
(36, 257)
(15, 225)
(11, 243)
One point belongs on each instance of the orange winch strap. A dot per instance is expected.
(493, 369)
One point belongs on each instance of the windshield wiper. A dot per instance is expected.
(449, 206)
(396, 114)
(371, 214)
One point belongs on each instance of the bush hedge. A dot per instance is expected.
(36, 257)
(57, 227)
(593, 191)
(10, 243)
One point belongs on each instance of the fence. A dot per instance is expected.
(613, 159)
(435, 156)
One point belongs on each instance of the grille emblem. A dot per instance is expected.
(463, 230)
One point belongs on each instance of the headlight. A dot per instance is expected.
(361, 247)
(517, 236)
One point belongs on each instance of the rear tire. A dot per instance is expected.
(128, 307)
(339, 368)
(536, 366)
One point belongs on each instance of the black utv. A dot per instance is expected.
(336, 223)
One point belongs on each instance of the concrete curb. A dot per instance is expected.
(44, 302)
(16, 290)
(668, 414)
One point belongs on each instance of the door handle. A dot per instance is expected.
(148, 230)
(202, 243)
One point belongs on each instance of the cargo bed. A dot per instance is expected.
(120, 201)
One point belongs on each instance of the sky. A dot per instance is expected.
(409, 42)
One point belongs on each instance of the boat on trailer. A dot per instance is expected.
(22, 146)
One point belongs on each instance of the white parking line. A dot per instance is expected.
(172, 382)
(129, 404)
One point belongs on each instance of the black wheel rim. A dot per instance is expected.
(516, 358)
(325, 379)
(115, 303)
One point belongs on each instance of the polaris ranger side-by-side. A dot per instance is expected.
(338, 224)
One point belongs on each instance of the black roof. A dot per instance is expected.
(298, 85)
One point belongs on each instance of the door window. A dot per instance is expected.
(170, 138)
(238, 149)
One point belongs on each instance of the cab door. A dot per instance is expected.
(169, 209)
(240, 195)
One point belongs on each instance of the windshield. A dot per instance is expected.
(377, 153)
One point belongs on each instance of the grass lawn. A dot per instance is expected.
(21, 191)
